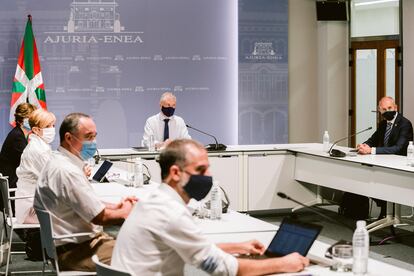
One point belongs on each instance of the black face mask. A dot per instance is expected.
(388, 115)
(168, 111)
(198, 186)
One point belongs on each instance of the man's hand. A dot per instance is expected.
(125, 206)
(364, 149)
(132, 199)
(293, 262)
(252, 247)
(87, 170)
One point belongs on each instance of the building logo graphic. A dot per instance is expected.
(263, 51)
(93, 21)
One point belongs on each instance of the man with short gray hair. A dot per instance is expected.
(165, 126)
(65, 192)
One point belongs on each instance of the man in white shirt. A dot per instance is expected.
(160, 235)
(165, 126)
(64, 190)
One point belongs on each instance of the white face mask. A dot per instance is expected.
(49, 134)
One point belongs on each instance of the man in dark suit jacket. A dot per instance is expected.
(393, 133)
(391, 137)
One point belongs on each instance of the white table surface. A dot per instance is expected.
(389, 161)
(237, 227)
(375, 267)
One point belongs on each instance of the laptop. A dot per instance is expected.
(292, 236)
(99, 176)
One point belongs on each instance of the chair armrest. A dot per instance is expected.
(19, 197)
(60, 237)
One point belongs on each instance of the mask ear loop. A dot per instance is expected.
(147, 176)
(226, 202)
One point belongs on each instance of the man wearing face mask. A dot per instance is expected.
(65, 192)
(165, 126)
(393, 132)
(391, 137)
(160, 235)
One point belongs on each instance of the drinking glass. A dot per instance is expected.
(342, 258)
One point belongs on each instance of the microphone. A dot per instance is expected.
(314, 209)
(338, 153)
(97, 157)
(210, 147)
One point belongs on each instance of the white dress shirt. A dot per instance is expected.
(160, 236)
(155, 125)
(64, 191)
(34, 158)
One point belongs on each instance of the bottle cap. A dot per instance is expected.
(361, 223)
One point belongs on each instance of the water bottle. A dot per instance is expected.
(151, 143)
(410, 154)
(138, 173)
(325, 141)
(360, 248)
(215, 201)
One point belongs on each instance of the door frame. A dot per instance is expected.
(380, 46)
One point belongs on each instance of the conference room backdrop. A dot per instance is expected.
(113, 59)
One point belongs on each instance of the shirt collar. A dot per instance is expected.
(162, 116)
(171, 193)
(73, 158)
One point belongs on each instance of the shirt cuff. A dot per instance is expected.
(373, 150)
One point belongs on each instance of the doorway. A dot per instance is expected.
(375, 73)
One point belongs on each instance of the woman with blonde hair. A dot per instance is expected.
(34, 158)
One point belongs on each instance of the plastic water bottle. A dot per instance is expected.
(138, 173)
(215, 201)
(151, 143)
(325, 141)
(360, 248)
(410, 154)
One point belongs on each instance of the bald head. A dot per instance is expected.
(387, 104)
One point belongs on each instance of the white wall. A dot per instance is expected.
(408, 58)
(318, 75)
(373, 20)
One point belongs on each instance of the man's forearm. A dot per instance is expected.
(231, 248)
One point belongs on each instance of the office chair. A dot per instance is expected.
(48, 243)
(10, 221)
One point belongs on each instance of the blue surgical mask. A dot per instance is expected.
(88, 150)
(26, 124)
(198, 186)
(168, 111)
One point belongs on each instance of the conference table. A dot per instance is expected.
(238, 227)
(253, 174)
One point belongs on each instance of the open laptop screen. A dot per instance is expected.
(293, 236)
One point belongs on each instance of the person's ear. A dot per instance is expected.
(36, 130)
(68, 137)
(175, 173)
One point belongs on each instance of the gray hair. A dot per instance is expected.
(70, 124)
(166, 95)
